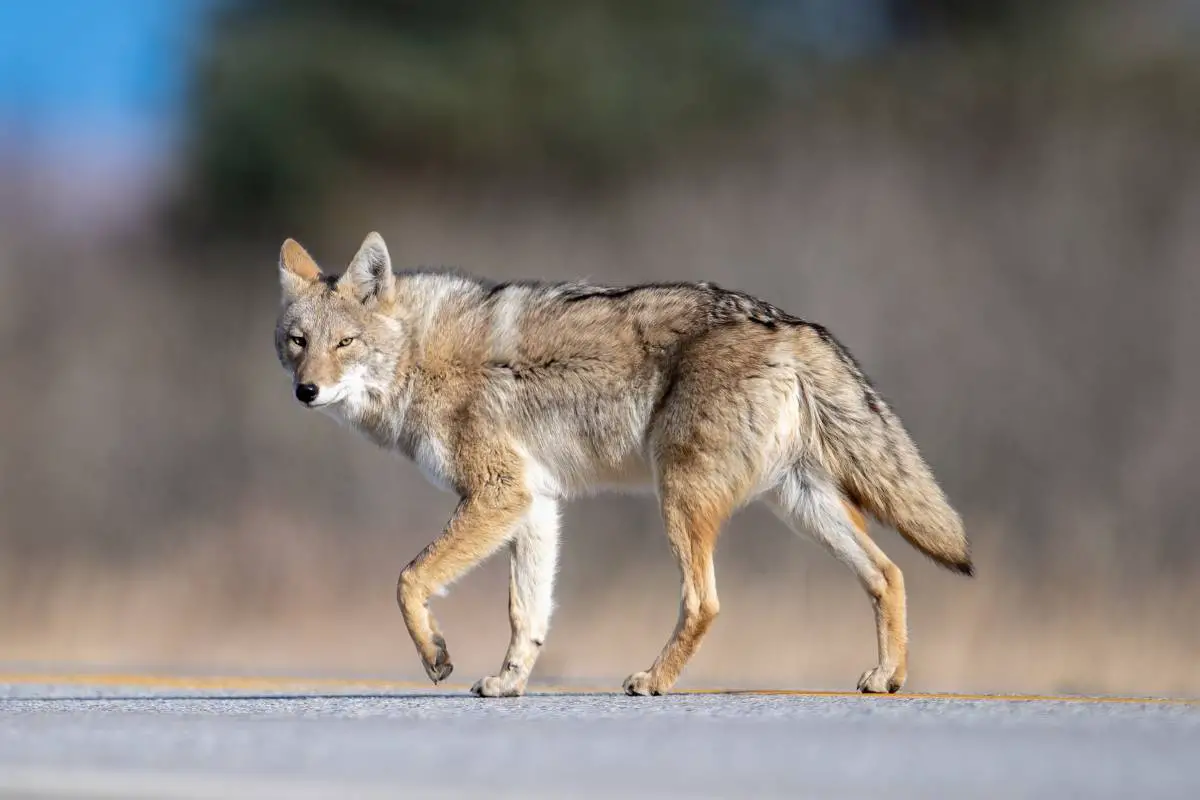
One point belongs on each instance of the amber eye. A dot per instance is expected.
(297, 340)
(346, 342)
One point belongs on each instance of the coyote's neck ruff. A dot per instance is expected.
(517, 396)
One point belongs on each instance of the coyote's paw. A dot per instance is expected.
(440, 667)
(641, 684)
(879, 680)
(497, 686)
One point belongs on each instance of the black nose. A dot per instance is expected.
(306, 392)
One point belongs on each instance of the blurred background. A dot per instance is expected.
(995, 204)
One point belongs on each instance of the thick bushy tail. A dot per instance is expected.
(866, 449)
(900, 490)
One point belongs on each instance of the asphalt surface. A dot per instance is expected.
(163, 738)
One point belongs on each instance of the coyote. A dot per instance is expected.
(517, 396)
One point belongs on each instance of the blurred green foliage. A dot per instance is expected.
(971, 19)
(294, 97)
(291, 94)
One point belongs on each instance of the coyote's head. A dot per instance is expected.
(337, 335)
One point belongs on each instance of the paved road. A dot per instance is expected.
(241, 739)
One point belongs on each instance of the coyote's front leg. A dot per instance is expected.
(530, 598)
(482, 523)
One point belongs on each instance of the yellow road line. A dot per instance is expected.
(273, 683)
(283, 683)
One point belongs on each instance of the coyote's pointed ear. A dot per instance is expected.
(369, 275)
(297, 270)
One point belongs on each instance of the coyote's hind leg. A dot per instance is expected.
(812, 505)
(692, 529)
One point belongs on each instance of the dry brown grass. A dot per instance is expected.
(273, 596)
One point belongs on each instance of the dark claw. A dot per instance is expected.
(441, 667)
(442, 671)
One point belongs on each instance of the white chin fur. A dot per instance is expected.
(348, 392)
(328, 397)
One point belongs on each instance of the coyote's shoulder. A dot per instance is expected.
(518, 395)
